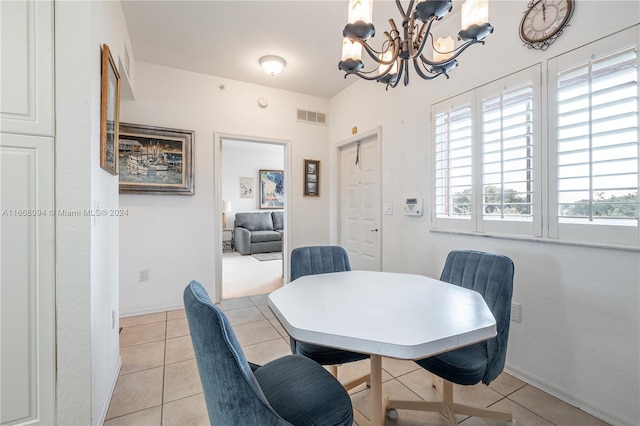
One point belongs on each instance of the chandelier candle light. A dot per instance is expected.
(392, 62)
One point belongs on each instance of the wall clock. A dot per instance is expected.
(544, 21)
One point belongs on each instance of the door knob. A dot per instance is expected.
(374, 230)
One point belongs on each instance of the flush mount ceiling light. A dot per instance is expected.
(272, 65)
(392, 62)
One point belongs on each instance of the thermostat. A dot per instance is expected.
(413, 206)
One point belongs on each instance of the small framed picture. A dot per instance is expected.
(246, 187)
(109, 112)
(311, 178)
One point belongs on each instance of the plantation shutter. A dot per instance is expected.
(597, 140)
(453, 162)
(507, 154)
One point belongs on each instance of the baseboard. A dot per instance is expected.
(145, 311)
(543, 384)
(112, 387)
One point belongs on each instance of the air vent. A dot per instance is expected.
(312, 117)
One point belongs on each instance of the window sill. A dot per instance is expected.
(537, 240)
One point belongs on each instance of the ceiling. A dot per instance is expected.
(227, 38)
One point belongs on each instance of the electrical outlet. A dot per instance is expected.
(143, 274)
(516, 312)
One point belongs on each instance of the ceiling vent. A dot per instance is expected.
(312, 117)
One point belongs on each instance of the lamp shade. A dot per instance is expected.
(360, 11)
(226, 206)
(474, 12)
(351, 50)
(272, 64)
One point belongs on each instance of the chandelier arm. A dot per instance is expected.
(404, 13)
(401, 70)
(458, 51)
(406, 76)
(422, 39)
(365, 75)
(376, 56)
(429, 76)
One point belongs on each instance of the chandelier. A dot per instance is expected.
(392, 61)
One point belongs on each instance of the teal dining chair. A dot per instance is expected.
(292, 390)
(312, 260)
(491, 275)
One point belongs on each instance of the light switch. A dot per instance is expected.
(388, 208)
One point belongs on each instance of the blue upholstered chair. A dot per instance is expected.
(491, 275)
(292, 390)
(312, 260)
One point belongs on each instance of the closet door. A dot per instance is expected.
(26, 37)
(27, 280)
(27, 216)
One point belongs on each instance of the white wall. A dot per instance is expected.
(172, 236)
(246, 159)
(580, 324)
(86, 250)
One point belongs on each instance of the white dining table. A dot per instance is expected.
(384, 314)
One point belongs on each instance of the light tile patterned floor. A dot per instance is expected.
(159, 383)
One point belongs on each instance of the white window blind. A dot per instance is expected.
(485, 161)
(597, 140)
(453, 162)
(507, 154)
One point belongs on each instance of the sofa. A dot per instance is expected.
(258, 232)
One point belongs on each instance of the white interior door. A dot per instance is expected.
(27, 234)
(27, 296)
(360, 232)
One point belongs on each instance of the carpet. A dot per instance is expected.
(276, 255)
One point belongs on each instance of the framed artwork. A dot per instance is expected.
(155, 160)
(271, 189)
(311, 178)
(246, 187)
(109, 112)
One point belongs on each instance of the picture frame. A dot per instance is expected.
(109, 112)
(271, 189)
(311, 178)
(246, 187)
(155, 160)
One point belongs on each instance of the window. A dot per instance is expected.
(490, 176)
(594, 137)
(453, 162)
(490, 183)
(598, 141)
(507, 154)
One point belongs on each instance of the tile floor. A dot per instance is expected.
(159, 383)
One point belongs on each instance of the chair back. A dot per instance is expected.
(231, 391)
(491, 275)
(312, 260)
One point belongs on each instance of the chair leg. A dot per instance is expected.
(448, 407)
(333, 369)
(355, 382)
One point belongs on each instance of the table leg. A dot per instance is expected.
(377, 410)
(378, 405)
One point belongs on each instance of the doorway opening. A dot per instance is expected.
(244, 200)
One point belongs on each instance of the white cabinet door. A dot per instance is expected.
(27, 280)
(26, 68)
(27, 234)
